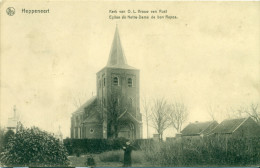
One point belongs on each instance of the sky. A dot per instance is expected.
(209, 55)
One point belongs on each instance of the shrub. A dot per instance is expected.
(118, 156)
(7, 136)
(1, 139)
(112, 156)
(33, 147)
(85, 146)
(206, 151)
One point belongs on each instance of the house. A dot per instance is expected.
(242, 127)
(115, 110)
(198, 129)
(13, 121)
(59, 135)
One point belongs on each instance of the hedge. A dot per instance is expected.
(205, 152)
(84, 146)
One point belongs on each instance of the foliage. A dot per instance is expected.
(1, 139)
(118, 156)
(92, 146)
(84, 146)
(205, 152)
(112, 156)
(34, 147)
(7, 136)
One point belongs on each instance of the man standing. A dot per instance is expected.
(127, 154)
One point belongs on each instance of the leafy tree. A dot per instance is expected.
(7, 136)
(1, 139)
(34, 147)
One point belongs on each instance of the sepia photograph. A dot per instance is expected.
(129, 83)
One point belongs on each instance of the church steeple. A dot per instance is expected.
(116, 56)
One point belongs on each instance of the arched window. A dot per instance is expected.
(130, 82)
(116, 81)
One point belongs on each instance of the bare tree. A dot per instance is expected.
(211, 112)
(79, 98)
(114, 109)
(178, 114)
(255, 113)
(217, 112)
(251, 111)
(147, 114)
(160, 117)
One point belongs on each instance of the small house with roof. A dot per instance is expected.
(241, 127)
(198, 129)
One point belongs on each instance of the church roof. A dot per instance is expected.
(117, 57)
(86, 104)
(126, 114)
(94, 117)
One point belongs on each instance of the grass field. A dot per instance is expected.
(104, 160)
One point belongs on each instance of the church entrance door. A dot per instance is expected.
(127, 130)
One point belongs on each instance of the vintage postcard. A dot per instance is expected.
(129, 83)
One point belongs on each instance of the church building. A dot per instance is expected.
(115, 110)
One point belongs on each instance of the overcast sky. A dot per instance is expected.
(209, 55)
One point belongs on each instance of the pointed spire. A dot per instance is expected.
(116, 56)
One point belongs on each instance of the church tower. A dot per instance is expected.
(115, 110)
(118, 95)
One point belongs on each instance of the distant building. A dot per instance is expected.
(117, 95)
(13, 121)
(198, 129)
(59, 135)
(242, 127)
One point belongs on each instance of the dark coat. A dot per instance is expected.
(127, 156)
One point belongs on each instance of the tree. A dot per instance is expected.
(79, 98)
(2, 133)
(34, 147)
(114, 109)
(147, 115)
(7, 136)
(212, 111)
(160, 116)
(251, 111)
(178, 114)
